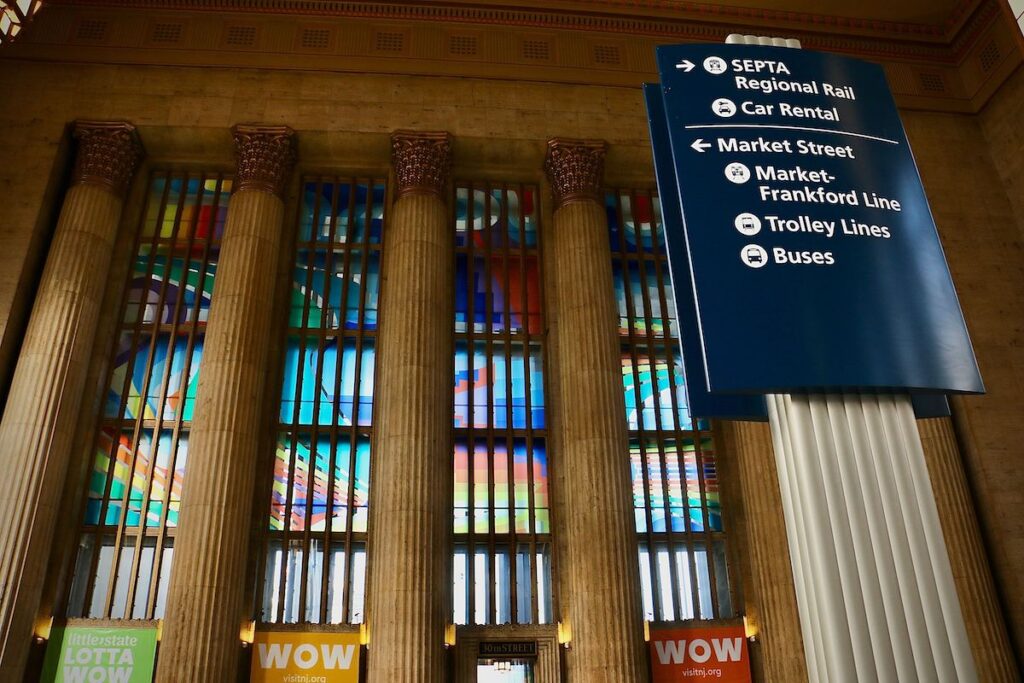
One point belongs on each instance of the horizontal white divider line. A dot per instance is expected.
(813, 130)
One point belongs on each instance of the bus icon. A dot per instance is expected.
(754, 256)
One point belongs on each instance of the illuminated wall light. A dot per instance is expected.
(564, 634)
(247, 633)
(647, 631)
(750, 628)
(449, 635)
(364, 635)
(42, 629)
(159, 629)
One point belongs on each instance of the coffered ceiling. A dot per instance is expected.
(938, 54)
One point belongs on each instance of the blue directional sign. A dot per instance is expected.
(813, 259)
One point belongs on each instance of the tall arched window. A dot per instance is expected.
(678, 520)
(313, 559)
(501, 524)
(134, 486)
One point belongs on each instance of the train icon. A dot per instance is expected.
(737, 173)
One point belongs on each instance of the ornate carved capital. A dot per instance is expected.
(422, 161)
(265, 156)
(108, 154)
(575, 169)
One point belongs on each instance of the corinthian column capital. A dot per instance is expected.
(265, 156)
(575, 169)
(422, 161)
(108, 154)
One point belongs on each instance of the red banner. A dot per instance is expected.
(700, 653)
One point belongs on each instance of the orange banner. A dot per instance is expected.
(700, 653)
(296, 657)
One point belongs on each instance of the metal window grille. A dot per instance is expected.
(313, 559)
(502, 532)
(133, 491)
(680, 537)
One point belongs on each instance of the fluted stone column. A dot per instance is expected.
(411, 481)
(986, 629)
(204, 604)
(46, 391)
(773, 606)
(603, 586)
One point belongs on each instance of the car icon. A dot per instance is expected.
(724, 108)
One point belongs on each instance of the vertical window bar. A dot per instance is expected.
(510, 467)
(524, 302)
(471, 360)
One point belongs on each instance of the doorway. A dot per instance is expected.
(505, 671)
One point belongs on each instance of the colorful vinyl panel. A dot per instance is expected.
(497, 491)
(654, 391)
(330, 484)
(496, 263)
(499, 385)
(651, 306)
(315, 536)
(141, 447)
(336, 278)
(675, 485)
(634, 223)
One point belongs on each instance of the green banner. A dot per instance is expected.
(84, 654)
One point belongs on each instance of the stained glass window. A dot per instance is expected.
(314, 552)
(502, 530)
(678, 519)
(138, 459)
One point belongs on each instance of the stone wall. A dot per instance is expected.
(1002, 121)
(983, 243)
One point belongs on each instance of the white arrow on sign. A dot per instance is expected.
(701, 146)
(686, 65)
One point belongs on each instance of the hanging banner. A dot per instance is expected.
(100, 655)
(699, 653)
(814, 262)
(301, 657)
